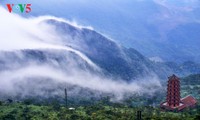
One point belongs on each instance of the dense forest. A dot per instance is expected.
(54, 111)
(103, 109)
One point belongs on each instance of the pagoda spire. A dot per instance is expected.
(173, 99)
(173, 91)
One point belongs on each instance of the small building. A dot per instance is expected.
(188, 101)
(173, 99)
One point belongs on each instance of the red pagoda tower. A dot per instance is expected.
(173, 91)
(173, 100)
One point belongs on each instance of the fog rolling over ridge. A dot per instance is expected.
(41, 56)
(156, 28)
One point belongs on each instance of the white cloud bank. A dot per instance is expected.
(17, 33)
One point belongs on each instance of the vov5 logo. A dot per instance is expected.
(19, 8)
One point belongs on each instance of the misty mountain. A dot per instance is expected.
(44, 55)
(115, 60)
(185, 39)
(44, 73)
(111, 59)
(164, 29)
(87, 50)
(185, 68)
(48, 53)
(193, 79)
(61, 59)
(167, 29)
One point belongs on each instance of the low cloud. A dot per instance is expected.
(18, 33)
(12, 80)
